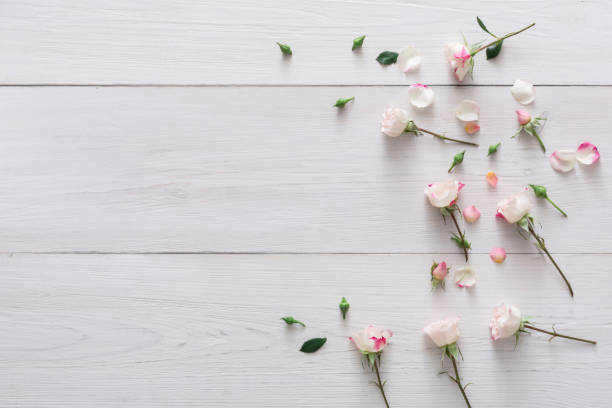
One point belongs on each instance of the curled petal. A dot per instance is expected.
(498, 255)
(492, 179)
(523, 92)
(472, 127)
(421, 96)
(409, 59)
(587, 153)
(464, 277)
(563, 160)
(468, 111)
(471, 213)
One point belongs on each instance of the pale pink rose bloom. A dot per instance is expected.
(409, 59)
(523, 117)
(394, 121)
(420, 96)
(498, 255)
(467, 111)
(515, 207)
(465, 277)
(471, 213)
(458, 58)
(471, 128)
(505, 322)
(491, 178)
(523, 92)
(587, 153)
(440, 271)
(444, 193)
(563, 160)
(371, 339)
(443, 332)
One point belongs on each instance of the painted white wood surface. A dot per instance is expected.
(233, 42)
(279, 170)
(204, 330)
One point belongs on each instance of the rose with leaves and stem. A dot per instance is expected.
(371, 342)
(530, 125)
(444, 334)
(396, 121)
(461, 56)
(507, 321)
(444, 195)
(515, 210)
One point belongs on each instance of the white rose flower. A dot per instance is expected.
(515, 207)
(458, 58)
(506, 321)
(394, 121)
(371, 339)
(444, 193)
(443, 332)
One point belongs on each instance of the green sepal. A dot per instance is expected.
(493, 149)
(285, 49)
(387, 57)
(358, 42)
(343, 101)
(457, 159)
(344, 307)
(494, 50)
(451, 350)
(312, 345)
(540, 191)
(372, 358)
(291, 320)
(411, 127)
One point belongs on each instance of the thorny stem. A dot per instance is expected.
(556, 206)
(555, 334)
(543, 247)
(458, 380)
(484, 47)
(439, 136)
(380, 384)
(465, 251)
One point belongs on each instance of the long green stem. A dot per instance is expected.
(458, 380)
(465, 251)
(439, 136)
(381, 386)
(534, 132)
(556, 206)
(484, 47)
(541, 244)
(555, 334)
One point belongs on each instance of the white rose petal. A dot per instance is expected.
(523, 92)
(563, 160)
(464, 277)
(409, 59)
(587, 153)
(468, 111)
(421, 96)
(515, 207)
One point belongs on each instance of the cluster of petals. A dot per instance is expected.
(394, 121)
(458, 57)
(506, 321)
(371, 339)
(440, 271)
(515, 207)
(443, 193)
(565, 160)
(443, 332)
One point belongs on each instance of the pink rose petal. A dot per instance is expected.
(498, 255)
(471, 214)
(472, 127)
(492, 179)
(563, 160)
(587, 153)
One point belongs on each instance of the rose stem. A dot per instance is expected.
(458, 380)
(452, 214)
(380, 384)
(555, 334)
(535, 133)
(541, 245)
(502, 38)
(439, 136)
(556, 206)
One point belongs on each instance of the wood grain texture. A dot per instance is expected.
(233, 42)
(204, 330)
(280, 170)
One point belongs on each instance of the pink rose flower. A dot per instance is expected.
(440, 271)
(471, 213)
(459, 60)
(523, 117)
(371, 339)
(443, 332)
(515, 207)
(506, 321)
(444, 193)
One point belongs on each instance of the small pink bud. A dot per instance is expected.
(498, 255)
(471, 214)
(523, 116)
(440, 271)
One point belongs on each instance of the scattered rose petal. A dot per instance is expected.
(409, 59)
(472, 127)
(465, 277)
(471, 213)
(523, 117)
(498, 255)
(587, 153)
(492, 179)
(421, 96)
(523, 92)
(563, 160)
(468, 111)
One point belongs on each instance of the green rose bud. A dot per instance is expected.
(540, 191)
(493, 149)
(358, 42)
(458, 158)
(286, 50)
(343, 101)
(291, 320)
(344, 307)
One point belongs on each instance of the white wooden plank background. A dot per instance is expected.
(152, 233)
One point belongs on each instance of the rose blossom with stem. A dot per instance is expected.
(370, 342)
(507, 321)
(515, 210)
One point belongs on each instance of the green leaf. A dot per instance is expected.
(481, 24)
(358, 42)
(291, 320)
(494, 50)
(493, 149)
(285, 48)
(387, 57)
(343, 101)
(313, 345)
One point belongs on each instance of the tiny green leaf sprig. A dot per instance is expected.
(291, 320)
(285, 49)
(343, 101)
(540, 191)
(358, 42)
